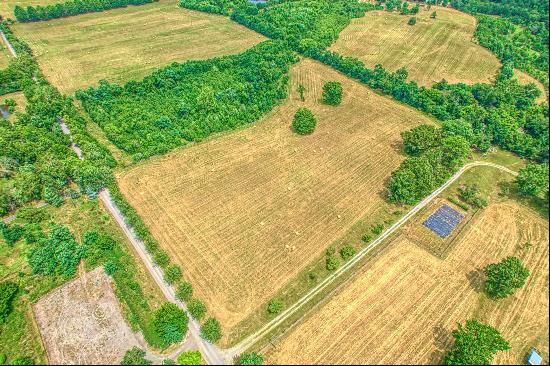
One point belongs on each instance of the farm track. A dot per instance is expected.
(253, 339)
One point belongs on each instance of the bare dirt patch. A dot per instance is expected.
(245, 212)
(403, 307)
(431, 50)
(81, 322)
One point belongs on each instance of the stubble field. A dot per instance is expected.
(128, 43)
(431, 50)
(403, 307)
(243, 213)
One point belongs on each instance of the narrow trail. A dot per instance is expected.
(8, 44)
(254, 338)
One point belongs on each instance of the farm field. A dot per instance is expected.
(244, 212)
(87, 310)
(395, 312)
(128, 43)
(431, 50)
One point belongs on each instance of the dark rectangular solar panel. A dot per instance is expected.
(443, 221)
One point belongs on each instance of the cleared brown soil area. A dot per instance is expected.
(243, 213)
(81, 322)
(403, 307)
(431, 50)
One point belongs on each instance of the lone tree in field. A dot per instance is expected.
(412, 21)
(332, 93)
(135, 356)
(304, 122)
(434, 15)
(250, 359)
(301, 90)
(170, 323)
(275, 306)
(504, 277)
(475, 344)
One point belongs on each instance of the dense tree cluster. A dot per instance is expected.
(505, 277)
(433, 160)
(59, 253)
(533, 180)
(190, 101)
(475, 344)
(170, 323)
(69, 8)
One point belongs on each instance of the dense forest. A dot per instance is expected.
(190, 101)
(69, 8)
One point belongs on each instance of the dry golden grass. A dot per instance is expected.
(525, 78)
(243, 213)
(403, 307)
(128, 43)
(431, 50)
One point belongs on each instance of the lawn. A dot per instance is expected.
(245, 212)
(404, 304)
(128, 43)
(431, 50)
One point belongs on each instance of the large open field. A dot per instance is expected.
(126, 44)
(81, 322)
(403, 307)
(244, 212)
(431, 50)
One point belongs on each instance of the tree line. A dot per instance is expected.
(70, 8)
(190, 101)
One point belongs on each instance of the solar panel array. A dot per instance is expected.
(443, 221)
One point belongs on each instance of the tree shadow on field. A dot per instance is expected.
(442, 341)
(477, 280)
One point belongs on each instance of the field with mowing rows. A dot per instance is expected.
(128, 43)
(244, 212)
(431, 50)
(403, 307)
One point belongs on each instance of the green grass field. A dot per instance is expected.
(128, 43)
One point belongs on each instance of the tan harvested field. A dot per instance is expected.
(525, 78)
(244, 212)
(128, 43)
(431, 50)
(6, 6)
(81, 322)
(402, 308)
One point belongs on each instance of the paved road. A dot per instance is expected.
(251, 340)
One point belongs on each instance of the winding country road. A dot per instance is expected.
(252, 339)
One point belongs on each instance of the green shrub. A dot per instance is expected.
(275, 306)
(161, 258)
(184, 291)
(347, 252)
(197, 309)
(304, 122)
(366, 238)
(135, 356)
(211, 330)
(24, 360)
(250, 359)
(110, 267)
(377, 230)
(190, 358)
(172, 274)
(11, 234)
(168, 361)
(8, 291)
(332, 263)
(170, 323)
(2, 358)
(332, 93)
(412, 21)
(504, 277)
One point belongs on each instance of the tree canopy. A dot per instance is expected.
(505, 277)
(332, 93)
(304, 122)
(170, 323)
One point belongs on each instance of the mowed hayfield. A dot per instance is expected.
(6, 6)
(244, 212)
(403, 307)
(431, 50)
(128, 43)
